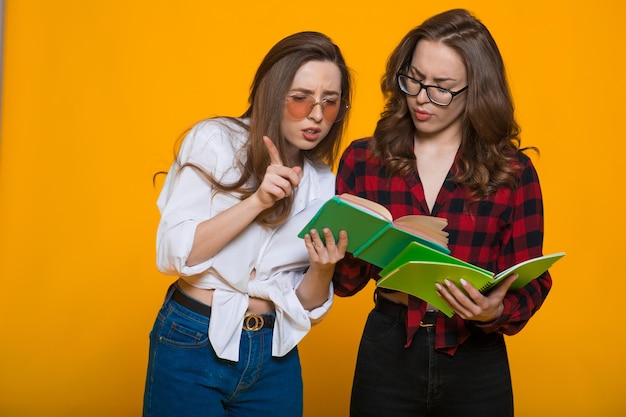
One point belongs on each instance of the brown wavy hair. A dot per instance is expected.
(490, 134)
(266, 101)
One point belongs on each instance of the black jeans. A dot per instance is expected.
(393, 381)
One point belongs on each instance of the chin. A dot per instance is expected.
(306, 145)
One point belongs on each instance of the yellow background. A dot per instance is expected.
(95, 93)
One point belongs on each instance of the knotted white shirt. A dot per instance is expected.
(277, 255)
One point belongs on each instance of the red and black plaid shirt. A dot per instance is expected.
(494, 233)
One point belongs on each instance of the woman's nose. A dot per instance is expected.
(317, 112)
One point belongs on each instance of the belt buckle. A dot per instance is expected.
(431, 316)
(253, 322)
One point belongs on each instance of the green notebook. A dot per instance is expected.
(372, 235)
(417, 268)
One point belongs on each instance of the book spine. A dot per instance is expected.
(364, 246)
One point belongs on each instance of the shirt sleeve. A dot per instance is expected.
(351, 274)
(186, 198)
(522, 240)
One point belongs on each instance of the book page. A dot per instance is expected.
(427, 227)
(438, 223)
(367, 205)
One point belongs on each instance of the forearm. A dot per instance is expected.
(213, 234)
(314, 289)
(519, 306)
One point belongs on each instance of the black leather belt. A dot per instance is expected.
(251, 322)
(390, 308)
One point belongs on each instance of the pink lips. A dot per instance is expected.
(311, 134)
(422, 115)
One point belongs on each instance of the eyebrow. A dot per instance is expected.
(416, 72)
(307, 91)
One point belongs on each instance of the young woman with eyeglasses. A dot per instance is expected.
(446, 145)
(240, 190)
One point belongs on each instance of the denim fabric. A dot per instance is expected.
(393, 381)
(186, 379)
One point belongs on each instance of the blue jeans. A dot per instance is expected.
(393, 381)
(185, 378)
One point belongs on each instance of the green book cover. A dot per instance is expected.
(371, 237)
(416, 270)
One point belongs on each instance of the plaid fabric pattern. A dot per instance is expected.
(494, 233)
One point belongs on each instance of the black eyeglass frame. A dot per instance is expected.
(426, 87)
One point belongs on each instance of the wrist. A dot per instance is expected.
(321, 270)
(258, 203)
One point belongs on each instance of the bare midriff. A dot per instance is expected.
(255, 305)
(400, 298)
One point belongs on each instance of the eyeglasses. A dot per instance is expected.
(299, 106)
(437, 95)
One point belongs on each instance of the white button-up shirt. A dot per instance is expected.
(277, 254)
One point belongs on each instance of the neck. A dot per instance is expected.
(431, 145)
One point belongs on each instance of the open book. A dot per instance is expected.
(372, 233)
(417, 268)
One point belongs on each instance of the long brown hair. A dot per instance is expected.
(266, 101)
(490, 134)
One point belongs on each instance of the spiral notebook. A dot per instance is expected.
(417, 268)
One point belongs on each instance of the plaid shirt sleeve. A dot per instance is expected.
(351, 274)
(522, 240)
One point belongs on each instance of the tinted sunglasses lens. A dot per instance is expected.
(331, 111)
(299, 107)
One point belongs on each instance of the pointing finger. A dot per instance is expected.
(273, 151)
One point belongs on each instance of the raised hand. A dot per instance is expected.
(279, 180)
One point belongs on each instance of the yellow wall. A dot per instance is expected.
(96, 93)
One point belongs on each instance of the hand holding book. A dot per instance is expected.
(412, 250)
(372, 233)
(417, 269)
